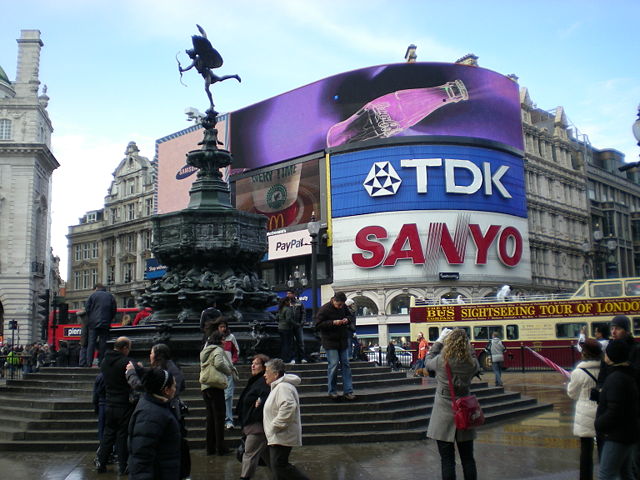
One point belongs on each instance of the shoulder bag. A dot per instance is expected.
(594, 393)
(210, 376)
(466, 410)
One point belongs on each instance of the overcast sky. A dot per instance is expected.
(111, 70)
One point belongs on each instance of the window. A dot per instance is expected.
(131, 242)
(86, 252)
(129, 272)
(400, 305)
(131, 211)
(148, 207)
(146, 239)
(569, 330)
(94, 250)
(512, 332)
(365, 306)
(77, 252)
(114, 215)
(434, 333)
(131, 187)
(485, 333)
(5, 129)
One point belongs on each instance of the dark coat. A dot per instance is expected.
(101, 309)
(246, 409)
(154, 441)
(113, 369)
(617, 414)
(333, 337)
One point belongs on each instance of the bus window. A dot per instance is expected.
(602, 327)
(601, 290)
(569, 330)
(434, 333)
(636, 325)
(633, 289)
(467, 330)
(480, 333)
(512, 332)
(498, 329)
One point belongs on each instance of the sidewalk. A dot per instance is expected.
(534, 448)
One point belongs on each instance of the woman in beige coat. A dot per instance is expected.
(583, 379)
(213, 355)
(452, 347)
(281, 420)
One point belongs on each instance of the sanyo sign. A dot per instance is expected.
(408, 245)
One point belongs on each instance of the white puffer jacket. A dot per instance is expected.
(281, 415)
(578, 389)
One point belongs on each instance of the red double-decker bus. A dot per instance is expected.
(66, 327)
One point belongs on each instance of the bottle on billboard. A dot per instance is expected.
(395, 112)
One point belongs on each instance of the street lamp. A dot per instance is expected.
(314, 229)
(297, 282)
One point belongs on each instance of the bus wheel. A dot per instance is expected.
(485, 362)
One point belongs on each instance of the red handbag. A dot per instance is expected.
(466, 410)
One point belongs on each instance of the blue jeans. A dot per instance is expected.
(497, 370)
(334, 357)
(97, 337)
(228, 399)
(298, 344)
(616, 461)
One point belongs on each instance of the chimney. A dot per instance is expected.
(27, 81)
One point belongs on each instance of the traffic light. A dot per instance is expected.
(44, 300)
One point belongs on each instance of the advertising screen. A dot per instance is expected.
(414, 246)
(374, 103)
(287, 194)
(427, 177)
(174, 175)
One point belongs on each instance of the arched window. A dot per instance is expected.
(5, 129)
(400, 305)
(365, 306)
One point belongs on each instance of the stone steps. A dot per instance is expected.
(52, 410)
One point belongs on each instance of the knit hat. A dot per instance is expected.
(156, 379)
(621, 321)
(618, 351)
(591, 348)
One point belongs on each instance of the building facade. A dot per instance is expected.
(112, 245)
(26, 166)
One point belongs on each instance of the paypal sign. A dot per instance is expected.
(427, 177)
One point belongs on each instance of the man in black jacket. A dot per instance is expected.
(332, 322)
(119, 407)
(621, 330)
(101, 311)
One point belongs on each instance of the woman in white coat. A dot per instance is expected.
(583, 379)
(281, 420)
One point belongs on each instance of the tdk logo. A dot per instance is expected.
(384, 180)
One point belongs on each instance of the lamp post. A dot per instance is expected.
(314, 229)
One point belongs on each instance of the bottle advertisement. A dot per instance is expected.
(374, 104)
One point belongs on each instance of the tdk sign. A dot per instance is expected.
(383, 179)
(427, 177)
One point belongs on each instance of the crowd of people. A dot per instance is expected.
(141, 418)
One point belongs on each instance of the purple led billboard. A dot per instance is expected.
(398, 100)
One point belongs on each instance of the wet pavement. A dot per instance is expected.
(535, 447)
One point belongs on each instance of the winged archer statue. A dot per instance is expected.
(205, 58)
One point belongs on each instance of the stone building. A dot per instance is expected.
(26, 166)
(111, 245)
(556, 198)
(613, 247)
